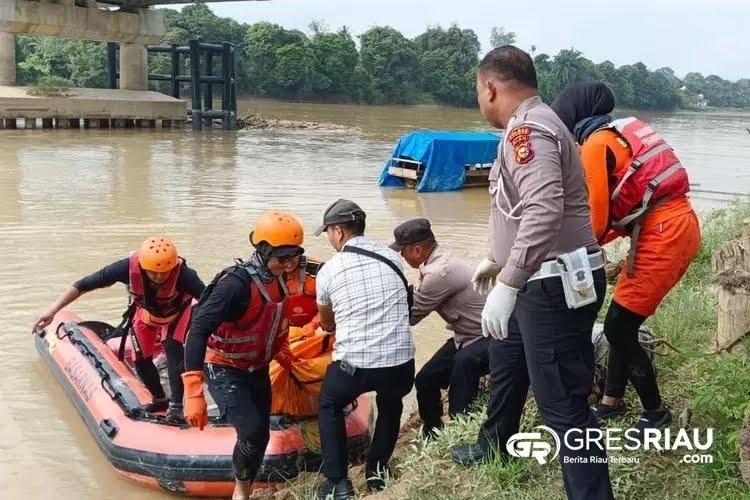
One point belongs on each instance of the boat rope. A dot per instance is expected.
(106, 380)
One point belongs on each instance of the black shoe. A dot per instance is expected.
(603, 412)
(469, 454)
(376, 478)
(655, 419)
(430, 432)
(175, 414)
(156, 405)
(339, 490)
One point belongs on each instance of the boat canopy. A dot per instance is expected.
(440, 158)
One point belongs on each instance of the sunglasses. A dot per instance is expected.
(286, 258)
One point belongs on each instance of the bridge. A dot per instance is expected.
(132, 24)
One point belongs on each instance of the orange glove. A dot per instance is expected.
(196, 410)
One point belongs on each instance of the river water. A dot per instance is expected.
(72, 201)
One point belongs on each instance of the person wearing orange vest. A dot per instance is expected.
(300, 282)
(637, 188)
(162, 286)
(240, 325)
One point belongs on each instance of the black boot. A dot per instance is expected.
(470, 454)
(175, 414)
(337, 490)
(655, 419)
(376, 477)
(157, 405)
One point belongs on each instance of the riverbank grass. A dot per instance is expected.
(715, 389)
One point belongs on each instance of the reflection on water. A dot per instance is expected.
(71, 201)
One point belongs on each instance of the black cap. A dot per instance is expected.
(411, 231)
(340, 212)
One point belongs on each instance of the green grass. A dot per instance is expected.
(716, 388)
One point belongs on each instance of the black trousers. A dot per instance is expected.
(549, 347)
(339, 389)
(457, 370)
(244, 397)
(627, 358)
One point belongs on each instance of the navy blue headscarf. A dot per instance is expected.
(584, 108)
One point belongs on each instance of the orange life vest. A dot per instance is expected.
(169, 301)
(654, 176)
(301, 304)
(256, 337)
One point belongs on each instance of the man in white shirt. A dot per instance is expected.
(363, 296)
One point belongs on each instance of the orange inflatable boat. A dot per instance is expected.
(147, 449)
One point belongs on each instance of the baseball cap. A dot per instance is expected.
(340, 212)
(411, 231)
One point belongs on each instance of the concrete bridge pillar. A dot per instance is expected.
(7, 58)
(133, 67)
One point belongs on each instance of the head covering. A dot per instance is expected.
(583, 100)
(411, 231)
(339, 212)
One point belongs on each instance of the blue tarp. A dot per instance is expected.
(443, 156)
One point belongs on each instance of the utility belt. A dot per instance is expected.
(576, 271)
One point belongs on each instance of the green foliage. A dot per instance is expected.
(499, 36)
(437, 66)
(448, 62)
(391, 61)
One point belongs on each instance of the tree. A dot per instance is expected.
(499, 37)
(568, 66)
(448, 62)
(294, 68)
(391, 61)
(262, 42)
(336, 58)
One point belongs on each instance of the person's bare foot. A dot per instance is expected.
(242, 490)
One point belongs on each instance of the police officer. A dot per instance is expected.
(444, 287)
(540, 328)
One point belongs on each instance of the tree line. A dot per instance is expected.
(386, 68)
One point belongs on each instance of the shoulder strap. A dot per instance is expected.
(389, 263)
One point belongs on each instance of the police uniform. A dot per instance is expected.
(445, 287)
(539, 212)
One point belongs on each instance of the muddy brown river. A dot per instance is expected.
(72, 201)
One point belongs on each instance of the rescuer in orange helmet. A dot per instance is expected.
(238, 327)
(161, 287)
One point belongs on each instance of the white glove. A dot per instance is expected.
(484, 276)
(497, 310)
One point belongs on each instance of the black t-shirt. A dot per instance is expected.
(119, 272)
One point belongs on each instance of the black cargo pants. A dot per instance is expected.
(549, 347)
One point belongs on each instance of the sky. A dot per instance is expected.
(708, 36)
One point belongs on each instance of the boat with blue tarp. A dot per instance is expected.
(433, 161)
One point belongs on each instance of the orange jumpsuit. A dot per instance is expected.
(670, 234)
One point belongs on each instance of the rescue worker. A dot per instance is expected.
(364, 297)
(302, 307)
(237, 328)
(162, 286)
(637, 188)
(544, 275)
(445, 287)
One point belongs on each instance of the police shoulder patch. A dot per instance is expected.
(520, 139)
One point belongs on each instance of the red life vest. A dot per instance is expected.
(255, 337)
(654, 176)
(169, 301)
(301, 304)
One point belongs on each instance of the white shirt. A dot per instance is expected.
(369, 305)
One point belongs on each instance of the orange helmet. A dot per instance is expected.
(278, 229)
(158, 254)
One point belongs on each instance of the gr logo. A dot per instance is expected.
(530, 444)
